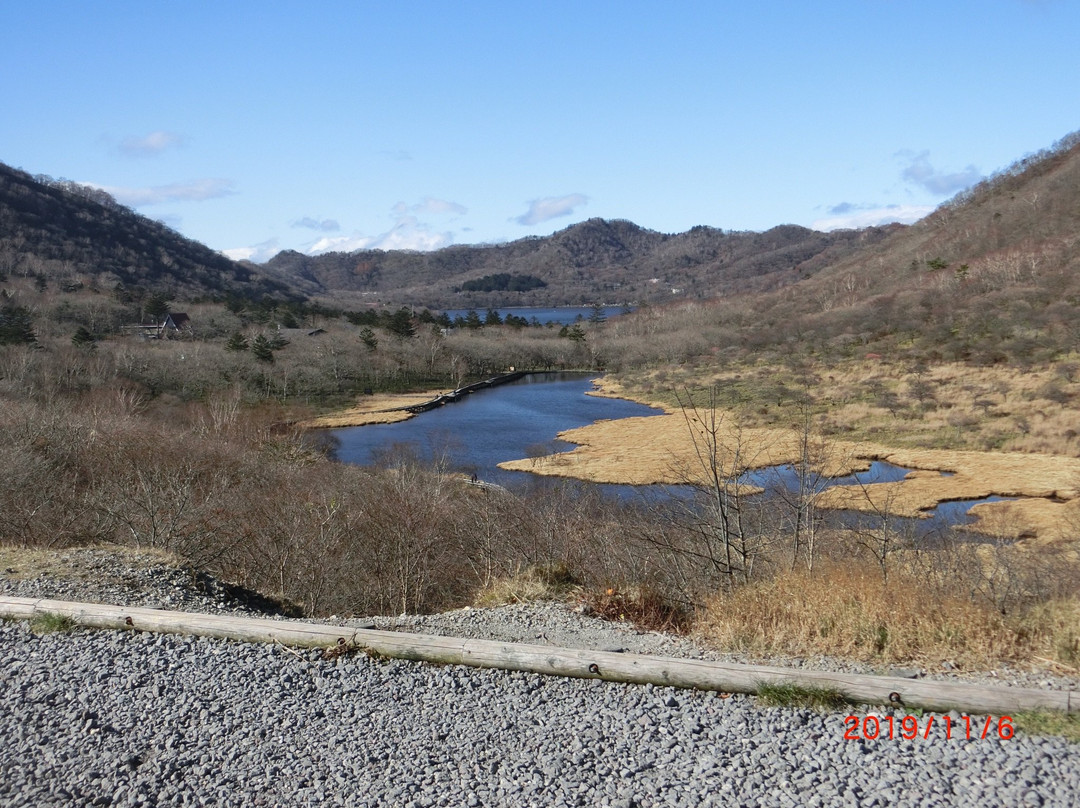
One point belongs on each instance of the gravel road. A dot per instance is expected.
(111, 718)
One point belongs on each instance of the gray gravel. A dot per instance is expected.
(126, 577)
(119, 718)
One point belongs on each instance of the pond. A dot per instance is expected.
(946, 515)
(487, 427)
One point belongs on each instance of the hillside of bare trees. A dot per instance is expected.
(991, 277)
(75, 236)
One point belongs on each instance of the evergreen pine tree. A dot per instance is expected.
(82, 338)
(16, 324)
(237, 342)
(260, 348)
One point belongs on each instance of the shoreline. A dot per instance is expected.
(1042, 492)
(381, 408)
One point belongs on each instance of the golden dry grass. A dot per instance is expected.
(382, 408)
(29, 562)
(661, 449)
(846, 611)
(970, 475)
(530, 584)
(946, 405)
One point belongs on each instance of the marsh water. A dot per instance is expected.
(521, 419)
(485, 428)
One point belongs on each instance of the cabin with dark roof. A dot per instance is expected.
(172, 324)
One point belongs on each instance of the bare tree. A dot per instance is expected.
(881, 536)
(800, 517)
(727, 540)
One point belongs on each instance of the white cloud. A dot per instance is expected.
(194, 191)
(339, 244)
(406, 234)
(551, 207)
(849, 217)
(431, 206)
(410, 234)
(324, 225)
(920, 172)
(150, 145)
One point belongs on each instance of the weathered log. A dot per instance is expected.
(550, 660)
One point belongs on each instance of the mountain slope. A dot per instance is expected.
(73, 234)
(991, 276)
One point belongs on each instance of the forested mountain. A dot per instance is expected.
(72, 235)
(596, 260)
(992, 275)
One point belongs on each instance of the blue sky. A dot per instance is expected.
(260, 126)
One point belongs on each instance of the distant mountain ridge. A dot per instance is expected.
(603, 260)
(77, 235)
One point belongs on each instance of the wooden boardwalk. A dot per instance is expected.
(461, 392)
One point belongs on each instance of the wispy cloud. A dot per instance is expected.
(551, 207)
(920, 172)
(849, 216)
(436, 207)
(194, 191)
(322, 225)
(846, 207)
(150, 145)
(408, 232)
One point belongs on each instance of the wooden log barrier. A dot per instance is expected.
(549, 660)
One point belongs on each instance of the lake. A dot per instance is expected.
(562, 315)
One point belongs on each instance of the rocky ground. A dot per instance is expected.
(108, 718)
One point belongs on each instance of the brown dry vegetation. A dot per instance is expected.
(868, 593)
(946, 405)
(845, 611)
(183, 447)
